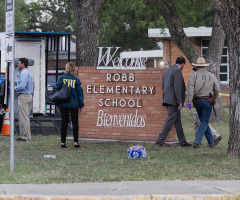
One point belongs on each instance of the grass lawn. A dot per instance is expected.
(97, 162)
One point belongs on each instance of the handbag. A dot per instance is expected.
(62, 96)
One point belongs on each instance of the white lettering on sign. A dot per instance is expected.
(151, 88)
(128, 120)
(89, 88)
(107, 60)
(118, 89)
(93, 89)
(138, 91)
(114, 102)
(101, 89)
(120, 120)
(120, 77)
(144, 90)
(107, 57)
(122, 103)
(116, 77)
(106, 102)
(109, 76)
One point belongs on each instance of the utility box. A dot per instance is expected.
(34, 49)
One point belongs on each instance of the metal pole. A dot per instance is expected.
(12, 116)
(46, 51)
(69, 48)
(12, 70)
(57, 56)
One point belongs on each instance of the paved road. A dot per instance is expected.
(152, 190)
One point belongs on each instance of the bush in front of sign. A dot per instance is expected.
(137, 151)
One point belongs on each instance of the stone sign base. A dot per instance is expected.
(122, 104)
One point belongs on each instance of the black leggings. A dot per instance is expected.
(65, 118)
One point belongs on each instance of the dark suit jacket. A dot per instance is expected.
(173, 86)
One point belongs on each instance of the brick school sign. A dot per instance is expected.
(122, 104)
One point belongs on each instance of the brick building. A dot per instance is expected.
(126, 104)
(122, 104)
(200, 38)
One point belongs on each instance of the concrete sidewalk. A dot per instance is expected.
(142, 190)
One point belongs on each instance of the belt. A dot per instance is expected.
(20, 93)
(201, 98)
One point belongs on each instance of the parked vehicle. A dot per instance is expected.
(38, 47)
(33, 49)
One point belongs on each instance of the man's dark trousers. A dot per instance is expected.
(174, 118)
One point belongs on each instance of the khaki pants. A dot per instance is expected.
(24, 103)
(197, 124)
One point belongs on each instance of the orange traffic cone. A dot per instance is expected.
(6, 124)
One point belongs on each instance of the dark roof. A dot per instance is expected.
(39, 34)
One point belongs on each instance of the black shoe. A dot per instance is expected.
(196, 145)
(217, 140)
(63, 146)
(162, 143)
(211, 145)
(77, 146)
(185, 144)
(20, 139)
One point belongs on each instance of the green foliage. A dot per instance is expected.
(195, 13)
(125, 24)
(50, 16)
(21, 16)
(122, 23)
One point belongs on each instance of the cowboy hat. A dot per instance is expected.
(201, 62)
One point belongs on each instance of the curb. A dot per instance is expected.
(124, 197)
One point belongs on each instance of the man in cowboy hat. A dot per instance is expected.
(217, 138)
(204, 88)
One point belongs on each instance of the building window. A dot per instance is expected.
(224, 69)
(53, 41)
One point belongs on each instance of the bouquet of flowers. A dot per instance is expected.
(137, 151)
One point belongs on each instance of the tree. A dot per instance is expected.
(229, 13)
(194, 13)
(125, 24)
(48, 16)
(21, 16)
(86, 13)
(121, 23)
(178, 35)
(79, 17)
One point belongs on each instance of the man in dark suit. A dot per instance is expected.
(173, 97)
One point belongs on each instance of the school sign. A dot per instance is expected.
(123, 99)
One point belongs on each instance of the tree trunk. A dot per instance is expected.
(214, 56)
(178, 35)
(87, 17)
(229, 13)
(214, 53)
